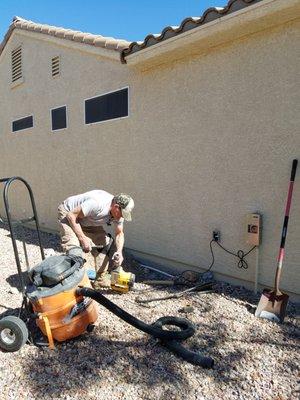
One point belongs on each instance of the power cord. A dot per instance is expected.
(240, 254)
(190, 276)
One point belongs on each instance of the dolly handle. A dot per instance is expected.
(285, 225)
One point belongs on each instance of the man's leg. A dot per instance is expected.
(103, 261)
(69, 241)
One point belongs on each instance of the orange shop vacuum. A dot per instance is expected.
(50, 300)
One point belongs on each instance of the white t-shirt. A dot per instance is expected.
(95, 206)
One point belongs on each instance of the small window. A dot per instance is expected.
(16, 64)
(55, 66)
(108, 106)
(59, 118)
(22, 123)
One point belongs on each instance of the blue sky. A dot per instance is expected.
(131, 20)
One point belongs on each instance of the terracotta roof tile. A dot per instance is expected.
(100, 41)
(44, 29)
(187, 24)
(60, 33)
(89, 39)
(79, 37)
(68, 34)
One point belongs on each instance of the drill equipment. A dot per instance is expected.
(121, 281)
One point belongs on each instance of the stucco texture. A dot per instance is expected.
(208, 140)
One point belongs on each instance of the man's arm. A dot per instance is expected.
(73, 217)
(118, 255)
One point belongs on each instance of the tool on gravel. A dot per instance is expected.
(203, 288)
(187, 277)
(273, 303)
(159, 282)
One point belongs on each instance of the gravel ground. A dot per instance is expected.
(254, 358)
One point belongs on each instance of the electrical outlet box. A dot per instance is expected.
(216, 236)
(254, 228)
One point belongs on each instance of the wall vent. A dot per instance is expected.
(16, 64)
(55, 63)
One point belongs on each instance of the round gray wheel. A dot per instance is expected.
(13, 333)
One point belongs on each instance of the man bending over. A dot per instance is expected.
(82, 219)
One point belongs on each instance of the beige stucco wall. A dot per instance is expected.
(208, 140)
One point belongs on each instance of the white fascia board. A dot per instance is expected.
(227, 23)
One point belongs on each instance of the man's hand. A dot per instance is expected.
(74, 218)
(118, 258)
(86, 244)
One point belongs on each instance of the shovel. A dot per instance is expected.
(273, 303)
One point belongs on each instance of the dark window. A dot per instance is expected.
(22, 123)
(59, 118)
(108, 106)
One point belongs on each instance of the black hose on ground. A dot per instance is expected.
(170, 339)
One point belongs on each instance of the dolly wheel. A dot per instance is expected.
(13, 333)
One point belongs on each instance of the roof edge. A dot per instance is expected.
(187, 24)
(97, 41)
(262, 14)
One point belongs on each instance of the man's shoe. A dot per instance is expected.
(102, 282)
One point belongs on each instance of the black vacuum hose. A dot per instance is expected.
(169, 338)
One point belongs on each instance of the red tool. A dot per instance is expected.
(273, 303)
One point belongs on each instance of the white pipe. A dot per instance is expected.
(157, 270)
(256, 270)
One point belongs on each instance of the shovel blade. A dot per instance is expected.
(272, 306)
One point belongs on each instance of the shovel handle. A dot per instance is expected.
(294, 168)
(285, 225)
